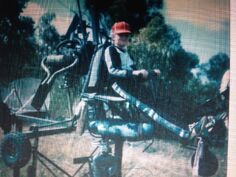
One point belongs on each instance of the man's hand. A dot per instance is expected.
(142, 72)
(157, 71)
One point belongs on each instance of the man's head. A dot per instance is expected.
(120, 34)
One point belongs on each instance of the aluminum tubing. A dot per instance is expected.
(151, 113)
(117, 128)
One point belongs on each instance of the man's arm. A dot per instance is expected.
(124, 73)
(113, 70)
(225, 81)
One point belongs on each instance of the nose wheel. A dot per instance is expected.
(203, 161)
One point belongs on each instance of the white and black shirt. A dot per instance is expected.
(118, 62)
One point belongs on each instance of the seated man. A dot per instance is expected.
(121, 68)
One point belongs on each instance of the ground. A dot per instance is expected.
(165, 158)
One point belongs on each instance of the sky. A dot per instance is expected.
(203, 24)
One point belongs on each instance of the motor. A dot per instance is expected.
(116, 128)
(104, 164)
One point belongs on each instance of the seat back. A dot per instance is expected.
(97, 75)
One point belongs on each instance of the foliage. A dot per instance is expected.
(217, 65)
(158, 45)
(17, 41)
(136, 13)
(154, 45)
(47, 34)
(11, 9)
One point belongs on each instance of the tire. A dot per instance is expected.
(208, 164)
(16, 150)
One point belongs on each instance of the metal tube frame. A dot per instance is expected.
(36, 155)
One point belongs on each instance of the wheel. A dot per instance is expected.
(207, 164)
(16, 150)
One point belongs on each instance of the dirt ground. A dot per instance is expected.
(163, 159)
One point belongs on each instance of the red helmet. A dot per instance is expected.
(120, 27)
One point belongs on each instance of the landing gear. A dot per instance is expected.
(203, 161)
(16, 150)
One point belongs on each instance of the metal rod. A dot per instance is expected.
(34, 154)
(81, 166)
(45, 165)
(80, 12)
(8, 96)
(82, 25)
(42, 133)
(56, 123)
(118, 154)
(69, 102)
(16, 172)
(148, 145)
(18, 97)
(54, 164)
(46, 108)
(25, 104)
(32, 119)
(95, 23)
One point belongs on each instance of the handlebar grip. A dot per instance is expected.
(151, 74)
(139, 78)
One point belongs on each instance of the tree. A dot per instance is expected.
(184, 62)
(47, 35)
(218, 64)
(178, 92)
(17, 42)
(136, 13)
(156, 45)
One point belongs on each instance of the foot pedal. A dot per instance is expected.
(81, 160)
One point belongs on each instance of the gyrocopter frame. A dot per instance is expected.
(103, 115)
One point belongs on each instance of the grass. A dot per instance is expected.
(163, 158)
